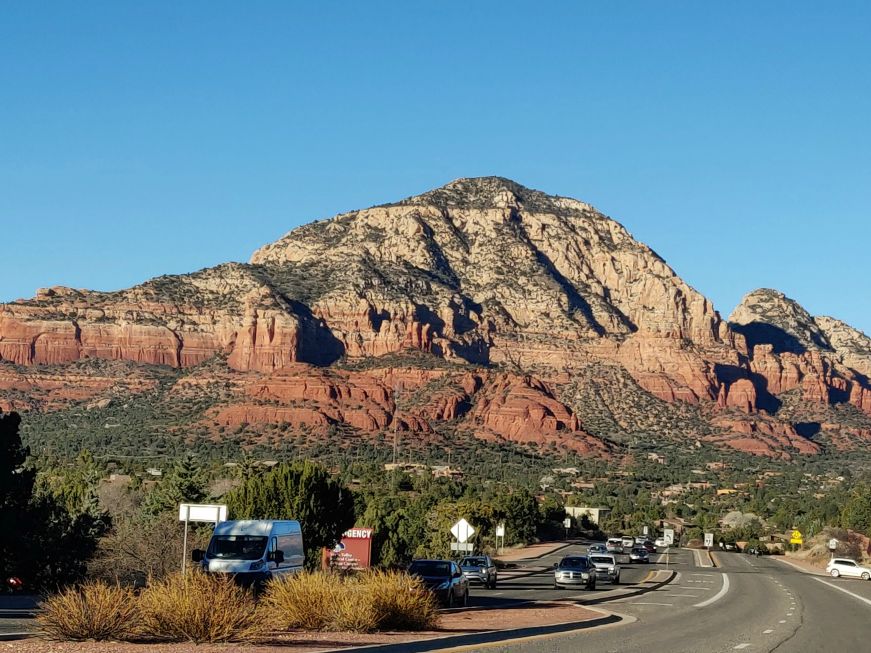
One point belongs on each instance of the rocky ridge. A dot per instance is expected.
(522, 296)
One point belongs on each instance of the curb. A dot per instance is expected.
(490, 637)
(809, 572)
(641, 590)
(9, 637)
(536, 557)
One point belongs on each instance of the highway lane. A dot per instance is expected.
(745, 604)
(532, 580)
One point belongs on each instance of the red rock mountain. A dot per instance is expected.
(531, 318)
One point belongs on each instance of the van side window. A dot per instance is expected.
(273, 545)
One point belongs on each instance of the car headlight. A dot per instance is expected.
(585, 576)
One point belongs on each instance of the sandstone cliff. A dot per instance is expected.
(522, 294)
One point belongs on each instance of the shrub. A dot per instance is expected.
(95, 610)
(397, 601)
(306, 600)
(375, 600)
(197, 607)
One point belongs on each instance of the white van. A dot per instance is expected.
(253, 550)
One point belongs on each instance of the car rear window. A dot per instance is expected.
(473, 562)
(606, 559)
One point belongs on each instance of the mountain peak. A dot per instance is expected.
(494, 192)
(767, 316)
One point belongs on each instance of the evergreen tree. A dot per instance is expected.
(303, 491)
(41, 541)
(184, 483)
(16, 489)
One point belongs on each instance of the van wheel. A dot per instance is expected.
(835, 573)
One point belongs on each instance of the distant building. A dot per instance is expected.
(595, 515)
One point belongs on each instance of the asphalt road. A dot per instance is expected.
(746, 604)
(532, 580)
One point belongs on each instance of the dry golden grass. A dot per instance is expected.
(308, 601)
(95, 610)
(197, 607)
(397, 601)
(368, 602)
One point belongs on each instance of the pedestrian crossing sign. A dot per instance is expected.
(796, 537)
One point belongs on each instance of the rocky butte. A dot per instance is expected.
(508, 313)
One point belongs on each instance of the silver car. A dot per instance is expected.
(480, 569)
(574, 571)
(606, 567)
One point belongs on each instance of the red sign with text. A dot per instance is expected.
(353, 552)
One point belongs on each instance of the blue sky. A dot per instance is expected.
(138, 139)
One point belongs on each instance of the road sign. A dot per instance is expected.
(188, 512)
(202, 512)
(462, 530)
(833, 544)
(462, 546)
(709, 540)
(668, 536)
(500, 530)
(567, 522)
(796, 537)
(644, 531)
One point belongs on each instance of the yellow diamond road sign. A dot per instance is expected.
(796, 537)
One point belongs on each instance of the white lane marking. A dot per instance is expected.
(497, 593)
(841, 589)
(782, 621)
(748, 562)
(643, 603)
(719, 595)
(768, 632)
(676, 578)
(706, 575)
(693, 596)
(744, 645)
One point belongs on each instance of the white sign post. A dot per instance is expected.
(709, 540)
(500, 532)
(567, 522)
(194, 512)
(668, 536)
(833, 544)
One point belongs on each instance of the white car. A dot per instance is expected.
(848, 568)
(660, 542)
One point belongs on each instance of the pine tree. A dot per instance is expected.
(16, 489)
(184, 483)
(303, 491)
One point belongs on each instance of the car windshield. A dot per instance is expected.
(602, 559)
(237, 547)
(429, 568)
(573, 563)
(473, 562)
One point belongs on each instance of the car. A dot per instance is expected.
(614, 545)
(444, 579)
(628, 542)
(660, 542)
(606, 567)
(848, 568)
(597, 548)
(574, 571)
(639, 554)
(480, 569)
(649, 547)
